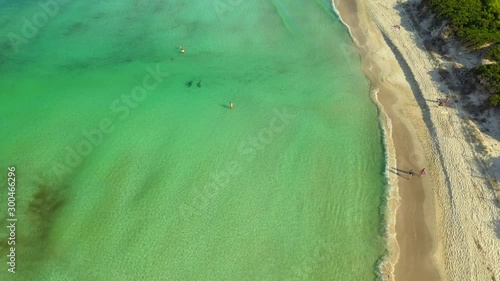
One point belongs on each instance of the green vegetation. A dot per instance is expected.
(494, 100)
(495, 4)
(494, 53)
(477, 24)
(490, 74)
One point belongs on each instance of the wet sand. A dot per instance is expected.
(411, 257)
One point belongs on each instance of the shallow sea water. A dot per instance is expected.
(131, 166)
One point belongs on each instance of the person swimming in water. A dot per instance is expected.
(182, 49)
(231, 105)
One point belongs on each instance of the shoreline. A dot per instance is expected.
(409, 241)
(434, 237)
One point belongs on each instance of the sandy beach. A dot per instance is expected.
(443, 225)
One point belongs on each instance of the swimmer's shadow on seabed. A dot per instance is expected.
(400, 172)
(225, 105)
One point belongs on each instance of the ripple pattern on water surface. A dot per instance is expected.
(133, 166)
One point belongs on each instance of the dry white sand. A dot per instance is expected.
(461, 208)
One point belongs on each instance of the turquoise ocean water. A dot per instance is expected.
(131, 166)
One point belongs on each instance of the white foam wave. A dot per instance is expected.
(387, 265)
(334, 7)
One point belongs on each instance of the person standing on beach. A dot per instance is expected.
(447, 100)
(411, 173)
(422, 172)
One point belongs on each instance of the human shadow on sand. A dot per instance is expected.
(399, 172)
